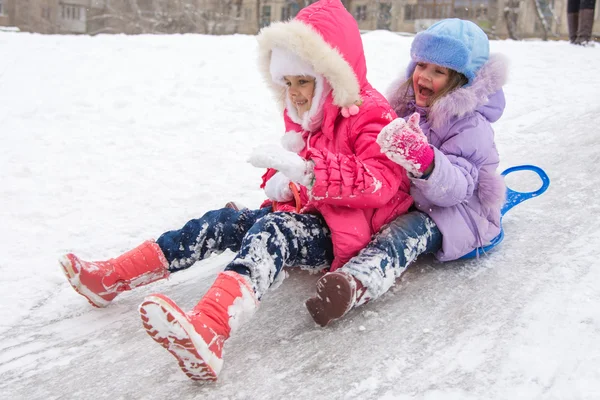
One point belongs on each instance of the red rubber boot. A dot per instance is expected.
(101, 281)
(196, 338)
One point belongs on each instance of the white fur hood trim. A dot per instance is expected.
(309, 45)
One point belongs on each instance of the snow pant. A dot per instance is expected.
(391, 251)
(580, 19)
(266, 242)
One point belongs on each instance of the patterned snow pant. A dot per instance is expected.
(391, 251)
(266, 242)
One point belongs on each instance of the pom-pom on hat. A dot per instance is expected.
(452, 43)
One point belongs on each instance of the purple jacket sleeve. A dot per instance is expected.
(457, 163)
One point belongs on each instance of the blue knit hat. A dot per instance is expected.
(452, 43)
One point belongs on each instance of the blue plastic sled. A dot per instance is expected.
(513, 198)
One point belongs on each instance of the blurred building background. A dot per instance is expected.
(515, 19)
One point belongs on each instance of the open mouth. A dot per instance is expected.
(423, 91)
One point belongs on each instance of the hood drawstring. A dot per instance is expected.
(308, 140)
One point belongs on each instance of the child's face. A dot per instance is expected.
(428, 79)
(300, 91)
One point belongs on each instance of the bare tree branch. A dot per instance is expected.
(171, 16)
(542, 19)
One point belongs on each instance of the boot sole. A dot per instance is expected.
(72, 275)
(334, 299)
(167, 325)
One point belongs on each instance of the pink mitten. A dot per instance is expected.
(404, 143)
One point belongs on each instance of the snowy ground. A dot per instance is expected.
(110, 140)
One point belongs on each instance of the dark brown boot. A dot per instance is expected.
(586, 23)
(573, 23)
(336, 295)
(235, 205)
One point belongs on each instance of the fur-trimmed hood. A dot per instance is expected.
(489, 80)
(325, 36)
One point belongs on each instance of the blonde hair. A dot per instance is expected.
(406, 91)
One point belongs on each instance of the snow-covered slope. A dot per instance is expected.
(110, 140)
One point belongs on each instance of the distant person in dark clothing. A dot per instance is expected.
(580, 18)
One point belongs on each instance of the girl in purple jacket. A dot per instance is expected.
(451, 97)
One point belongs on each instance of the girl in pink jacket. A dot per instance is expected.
(347, 190)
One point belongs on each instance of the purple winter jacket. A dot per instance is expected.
(464, 193)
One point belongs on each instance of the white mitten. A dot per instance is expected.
(278, 188)
(290, 164)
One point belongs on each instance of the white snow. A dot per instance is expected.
(110, 140)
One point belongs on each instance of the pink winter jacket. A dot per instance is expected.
(357, 189)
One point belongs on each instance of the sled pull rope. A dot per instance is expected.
(296, 194)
